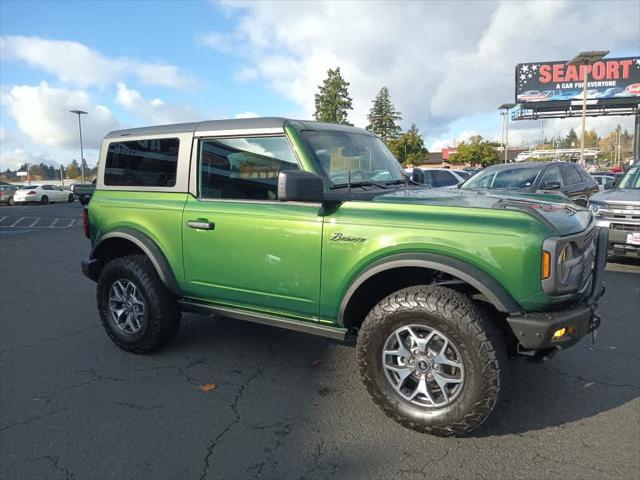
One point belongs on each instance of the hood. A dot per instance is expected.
(559, 214)
(620, 196)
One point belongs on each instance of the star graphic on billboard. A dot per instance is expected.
(534, 67)
(524, 68)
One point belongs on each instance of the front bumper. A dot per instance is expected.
(535, 330)
(619, 231)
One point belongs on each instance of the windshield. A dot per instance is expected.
(363, 158)
(631, 179)
(498, 178)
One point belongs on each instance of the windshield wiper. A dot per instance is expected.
(364, 183)
(404, 181)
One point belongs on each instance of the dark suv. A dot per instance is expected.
(568, 178)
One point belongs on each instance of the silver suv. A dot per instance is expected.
(618, 209)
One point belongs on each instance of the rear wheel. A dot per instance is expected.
(430, 361)
(137, 311)
(11, 201)
(70, 198)
(44, 200)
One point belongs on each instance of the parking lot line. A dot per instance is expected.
(34, 222)
(2, 219)
(71, 223)
(54, 222)
(17, 221)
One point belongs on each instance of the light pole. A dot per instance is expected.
(584, 59)
(505, 107)
(79, 113)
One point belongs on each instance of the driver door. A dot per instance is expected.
(242, 246)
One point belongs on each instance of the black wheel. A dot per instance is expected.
(430, 361)
(44, 200)
(12, 202)
(137, 311)
(70, 198)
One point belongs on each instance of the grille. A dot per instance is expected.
(589, 251)
(627, 227)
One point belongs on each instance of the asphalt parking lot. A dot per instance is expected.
(277, 404)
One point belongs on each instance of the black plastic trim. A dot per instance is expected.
(149, 248)
(534, 330)
(484, 283)
(197, 306)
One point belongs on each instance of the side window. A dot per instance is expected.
(143, 163)
(244, 168)
(47, 187)
(552, 175)
(571, 175)
(442, 178)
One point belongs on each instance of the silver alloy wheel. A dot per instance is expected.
(423, 366)
(126, 306)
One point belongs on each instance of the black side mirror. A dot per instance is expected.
(299, 186)
(552, 186)
(418, 175)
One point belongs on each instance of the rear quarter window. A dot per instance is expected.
(142, 163)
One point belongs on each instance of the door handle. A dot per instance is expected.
(201, 224)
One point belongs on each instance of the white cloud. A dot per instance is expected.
(247, 115)
(155, 110)
(441, 60)
(42, 113)
(76, 64)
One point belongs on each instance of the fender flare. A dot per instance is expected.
(149, 248)
(481, 281)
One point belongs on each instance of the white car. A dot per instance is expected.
(604, 181)
(440, 177)
(42, 194)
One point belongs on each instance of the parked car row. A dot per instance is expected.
(43, 194)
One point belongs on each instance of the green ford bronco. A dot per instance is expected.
(317, 228)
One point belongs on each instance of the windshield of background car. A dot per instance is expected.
(498, 178)
(365, 156)
(631, 179)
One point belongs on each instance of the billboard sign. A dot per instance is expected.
(607, 79)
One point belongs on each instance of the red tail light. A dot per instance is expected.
(31, 192)
(85, 223)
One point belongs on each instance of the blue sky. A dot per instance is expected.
(130, 63)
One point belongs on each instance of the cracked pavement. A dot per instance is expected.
(285, 405)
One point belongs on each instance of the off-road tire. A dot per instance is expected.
(162, 316)
(478, 340)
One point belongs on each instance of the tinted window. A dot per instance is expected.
(571, 175)
(463, 174)
(517, 177)
(144, 163)
(441, 178)
(552, 175)
(244, 168)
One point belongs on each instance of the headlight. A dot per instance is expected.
(594, 208)
(565, 264)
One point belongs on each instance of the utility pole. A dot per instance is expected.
(505, 107)
(583, 60)
(80, 112)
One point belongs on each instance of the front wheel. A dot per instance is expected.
(430, 361)
(137, 311)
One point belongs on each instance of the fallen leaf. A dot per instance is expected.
(207, 387)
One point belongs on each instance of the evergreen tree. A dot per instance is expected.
(332, 99)
(383, 117)
(409, 147)
(73, 170)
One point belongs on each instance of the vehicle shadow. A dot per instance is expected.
(572, 386)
